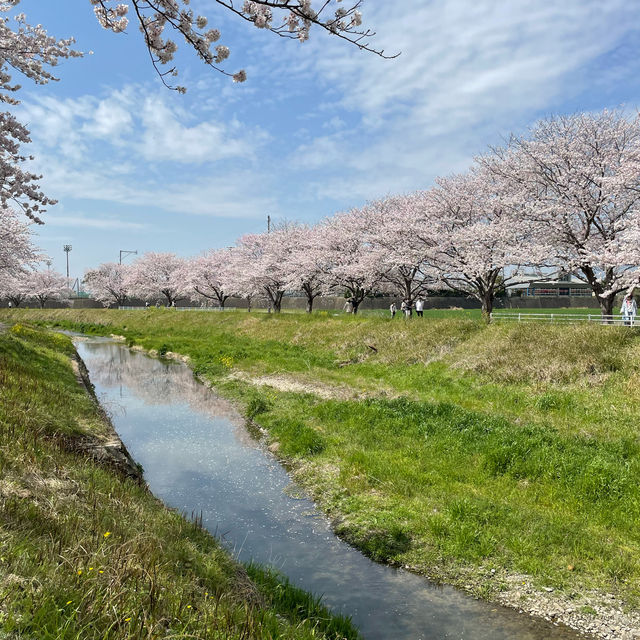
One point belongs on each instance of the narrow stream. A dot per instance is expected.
(198, 457)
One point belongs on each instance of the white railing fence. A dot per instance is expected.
(563, 318)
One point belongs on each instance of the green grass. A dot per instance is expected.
(87, 554)
(449, 445)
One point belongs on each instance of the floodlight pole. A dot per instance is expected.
(67, 248)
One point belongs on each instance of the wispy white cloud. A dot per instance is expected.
(78, 222)
(136, 122)
(140, 149)
(469, 72)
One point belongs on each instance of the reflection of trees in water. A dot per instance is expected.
(154, 381)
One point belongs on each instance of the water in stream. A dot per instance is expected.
(198, 457)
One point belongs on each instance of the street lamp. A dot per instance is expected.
(67, 248)
(126, 253)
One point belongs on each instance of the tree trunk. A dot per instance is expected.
(308, 291)
(606, 307)
(277, 301)
(167, 295)
(487, 305)
(355, 301)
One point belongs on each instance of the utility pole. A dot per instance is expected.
(67, 248)
(127, 253)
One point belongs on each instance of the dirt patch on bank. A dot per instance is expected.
(293, 385)
(325, 391)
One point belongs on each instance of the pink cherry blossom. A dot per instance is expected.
(344, 255)
(17, 251)
(106, 283)
(259, 264)
(47, 285)
(579, 179)
(208, 276)
(157, 275)
(159, 20)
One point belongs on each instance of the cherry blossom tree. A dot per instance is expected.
(14, 287)
(261, 260)
(158, 20)
(31, 52)
(107, 283)
(240, 279)
(344, 253)
(580, 178)
(47, 285)
(155, 275)
(402, 248)
(483, 241)
(16, 248)
(301, 269)
(207, 275)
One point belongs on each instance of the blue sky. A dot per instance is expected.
(317, 127)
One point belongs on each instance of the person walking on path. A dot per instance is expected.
(406, 308)
(393, 309)
(420, 307)
(629, 309)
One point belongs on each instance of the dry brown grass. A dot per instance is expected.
(528, 353)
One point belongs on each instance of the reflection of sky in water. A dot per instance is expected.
(198, 457)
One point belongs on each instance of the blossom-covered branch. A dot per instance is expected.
(31, 52)
(159, 19)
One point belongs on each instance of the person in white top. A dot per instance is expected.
(629, 309)
(393, 309)
(420, 307)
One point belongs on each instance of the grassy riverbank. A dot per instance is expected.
(441, 444)
(87, 553)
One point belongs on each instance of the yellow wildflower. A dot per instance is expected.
(106, 534)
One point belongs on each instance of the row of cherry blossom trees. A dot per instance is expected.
(564, 197)
(19, 257)
(32, 53)
(38, 287)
